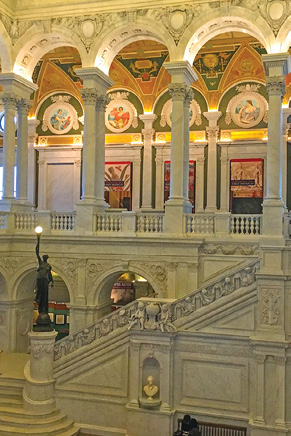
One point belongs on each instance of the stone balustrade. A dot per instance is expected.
(200, 223)
(246, 224)
(135, 224)
(158, 315)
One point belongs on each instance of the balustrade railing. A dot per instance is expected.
(25, 221)
(246, 224)
(150, 223)
(108, 222)
(195, 223)
(3, 221)
(158, 315)
(63, 221)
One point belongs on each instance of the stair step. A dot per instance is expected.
(13, 402)
(56, 429)
(22, 413)
(15, 421)
(72, 432)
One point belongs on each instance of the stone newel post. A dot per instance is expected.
(38, 393)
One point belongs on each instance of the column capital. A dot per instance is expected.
(181, 72)
(24, 105)
(276, 85)
(212, 117)
(93, 77)
(148, 134)
(276, 64)
(9, 100)
(178, 91)
(212, 132)
(102, 101)
(89, 95)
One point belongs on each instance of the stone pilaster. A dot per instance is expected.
(147, 173)
(101, 104)
(273, 207)
(212, 134)
(199, 198)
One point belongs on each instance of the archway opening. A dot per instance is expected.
(121, 289)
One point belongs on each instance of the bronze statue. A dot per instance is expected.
(43, 279)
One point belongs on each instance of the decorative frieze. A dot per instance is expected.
(89, 95)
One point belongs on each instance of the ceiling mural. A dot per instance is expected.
(226, 59)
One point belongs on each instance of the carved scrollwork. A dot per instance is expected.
(276, 85)
(37, 351)
(271, 312)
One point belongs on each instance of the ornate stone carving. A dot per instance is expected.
(177, 19)
(9, 100)
(24, 106)
(148, 134)
(276, 85)
(15, 28)
(102, 101)
(195, 117)
(178, 91)
(89, 95)
(212, 132)
(245, 250)
(37, 351)
(270, 307)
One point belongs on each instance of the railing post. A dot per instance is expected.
(44, 220)
(128, 223)
(38, 393)
(222, 223)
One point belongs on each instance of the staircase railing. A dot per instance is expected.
(158, 315)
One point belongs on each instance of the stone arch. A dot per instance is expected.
(5, 50)
(26, 276)
(104, 283)
(104, 50)
(3, 285)
(283, 40)
(36, 42)
(194, 40)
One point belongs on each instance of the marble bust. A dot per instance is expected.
(150, 389)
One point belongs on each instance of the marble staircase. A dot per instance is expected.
(15, 421)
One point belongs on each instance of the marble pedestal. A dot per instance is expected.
(38, 393)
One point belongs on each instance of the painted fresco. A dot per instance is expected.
(211, 66)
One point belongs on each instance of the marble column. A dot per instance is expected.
(23, 107)
(188, 98)
(212, 133)
(89, 96)
(159, 203)
(199, 197)
(101, 104)
(9, 101)
(16, 89)
(224, 178)
(32, 137)
(183, 76)
(285, 130)
(147, 174)
(93, 166)
(275, 66)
